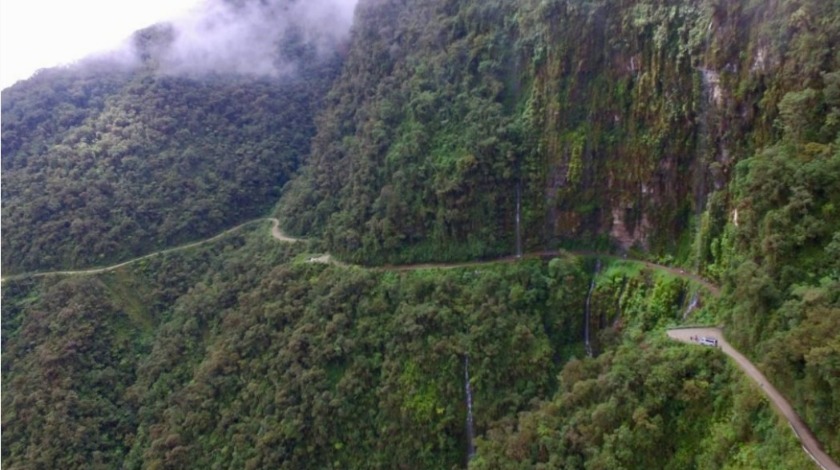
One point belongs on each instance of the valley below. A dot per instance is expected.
(429, 235)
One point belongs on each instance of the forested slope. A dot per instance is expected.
(106, 161)
(699, 133)
(702, 132)
(233, 355)
(241, 354)
(613, 120)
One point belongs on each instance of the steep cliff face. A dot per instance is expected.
(618, 119)
(416, 155)
(704, 132)
(617, 106)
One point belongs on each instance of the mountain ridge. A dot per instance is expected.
(701, 135)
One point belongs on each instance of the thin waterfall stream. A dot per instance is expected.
(706, 152)
(518, 220)
(586, 312)
(692, 305)
(470, 423)
(710, 81)
(618, 303)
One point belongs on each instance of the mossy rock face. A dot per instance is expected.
(699, 134)
(618, 123)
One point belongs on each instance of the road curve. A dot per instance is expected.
(278, 234)
(681, 273)
(712, 288)
(275, 232)
(809, 443)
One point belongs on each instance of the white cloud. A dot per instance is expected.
(210, 35)
(243, 38)
(36, 34)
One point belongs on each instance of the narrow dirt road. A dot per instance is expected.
(681, 273)
(809, 442)
(275, 232)
(278, 234)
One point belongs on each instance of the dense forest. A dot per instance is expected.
(242, 354)
(700, 135)
(607, 123)
(105, 161)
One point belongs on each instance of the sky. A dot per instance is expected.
(36, 34)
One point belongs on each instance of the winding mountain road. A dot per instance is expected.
(278, 234)
(809, 443)
(275, 232)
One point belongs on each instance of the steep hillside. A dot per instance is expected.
(604, 123)
(700, 132)
(111, 159)
(241, 354)
(233, 355)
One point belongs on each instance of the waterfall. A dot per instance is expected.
(518, 223)
(468, 393)
(711, 96)
(618, 303)
(586, 310)
(692, 305)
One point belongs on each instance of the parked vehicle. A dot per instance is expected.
(708, 341)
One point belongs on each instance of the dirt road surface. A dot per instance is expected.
(809, 442)
(275, 232)
(278, 234)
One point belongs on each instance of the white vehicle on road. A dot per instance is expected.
(708, 341)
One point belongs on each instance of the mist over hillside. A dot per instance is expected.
(192, 127)
(487, 218)
(255, 38)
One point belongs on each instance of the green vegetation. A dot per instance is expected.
(102, 166)
(416, 154)
(646, 404)
(703, 134)
(230, 355)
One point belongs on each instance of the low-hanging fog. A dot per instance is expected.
(248, 36)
